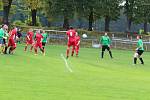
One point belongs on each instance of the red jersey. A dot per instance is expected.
(71, 35)
(77, 39)
(12, 34)
(30, 35)
(38, 37)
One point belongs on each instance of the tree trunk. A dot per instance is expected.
(129, 23)
(91, 20)
(33, 17)
(66, 23)
(145, 27)
(107, 22)
(6, 10)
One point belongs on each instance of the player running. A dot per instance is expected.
(11, 40)
(29, 40)
(105, 42)
(139, 50)
(38, 43)
(71, 33)
(2, 37)
(44, 41)
(77, 43)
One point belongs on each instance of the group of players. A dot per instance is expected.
(39, 40)
(74, 41)
(8, 40)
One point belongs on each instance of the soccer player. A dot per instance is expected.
(77, 43)
(105, 42)
(71, 33)
(29, 40)
(5, 40)
(38, 42)
(2, 37)
(139, 50)
(44, 41)
(11, 40)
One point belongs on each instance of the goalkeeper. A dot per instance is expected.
(105, 43)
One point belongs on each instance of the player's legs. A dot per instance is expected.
(35, 48)
(135, 57)
(140, 52)
(41, 48)
(12, 48)
(32, 45)
(1, 45)
(68, 49)
(110, 53)
(103, 49)
(77, 50)
(43, 45)
(26, 46)
(73, 48)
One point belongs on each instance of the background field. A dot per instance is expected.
(24, 76)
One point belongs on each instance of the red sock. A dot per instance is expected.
(67, 53)
(31, 48)
(35, 51)
(25, 49)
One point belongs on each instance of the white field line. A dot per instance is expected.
(66, 63)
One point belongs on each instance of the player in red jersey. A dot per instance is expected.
(11, 40)
(71, 33)
(77, 40)
(29, 40)
(38, 42)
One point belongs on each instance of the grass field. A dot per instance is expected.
(24, 76)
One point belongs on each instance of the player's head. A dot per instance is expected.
(5, 27)
(42, 31)
(31, 30)
(38, 31)
(139, 37)
(70, 27)
(106, 33)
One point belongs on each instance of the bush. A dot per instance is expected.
(29, 21)
(18, 22)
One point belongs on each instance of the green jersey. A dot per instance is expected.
(140, 44)
(2, 33)
(44, 37)
(105, 40)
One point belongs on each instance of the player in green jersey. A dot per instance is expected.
(139, 50)
(105, 43)
(44, 41)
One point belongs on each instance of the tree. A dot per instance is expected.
(129, 12)
(142, 13)
(6, 10)
(110, 10)
(87, 9)
(65, 9)
(33, 5)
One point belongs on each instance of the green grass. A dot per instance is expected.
(24, 76)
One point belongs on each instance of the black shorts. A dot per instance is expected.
(140, 52)
(104, 47)
(4, 41)
(43, 44)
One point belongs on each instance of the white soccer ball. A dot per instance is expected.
(84, 35)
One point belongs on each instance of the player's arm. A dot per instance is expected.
(78, 43)
(109, 41)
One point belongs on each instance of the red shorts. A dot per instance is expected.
(71, 43)
(38, 45)
(11, 42)
(29, 42)
(77, 47)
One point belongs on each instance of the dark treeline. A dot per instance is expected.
(95, 13)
